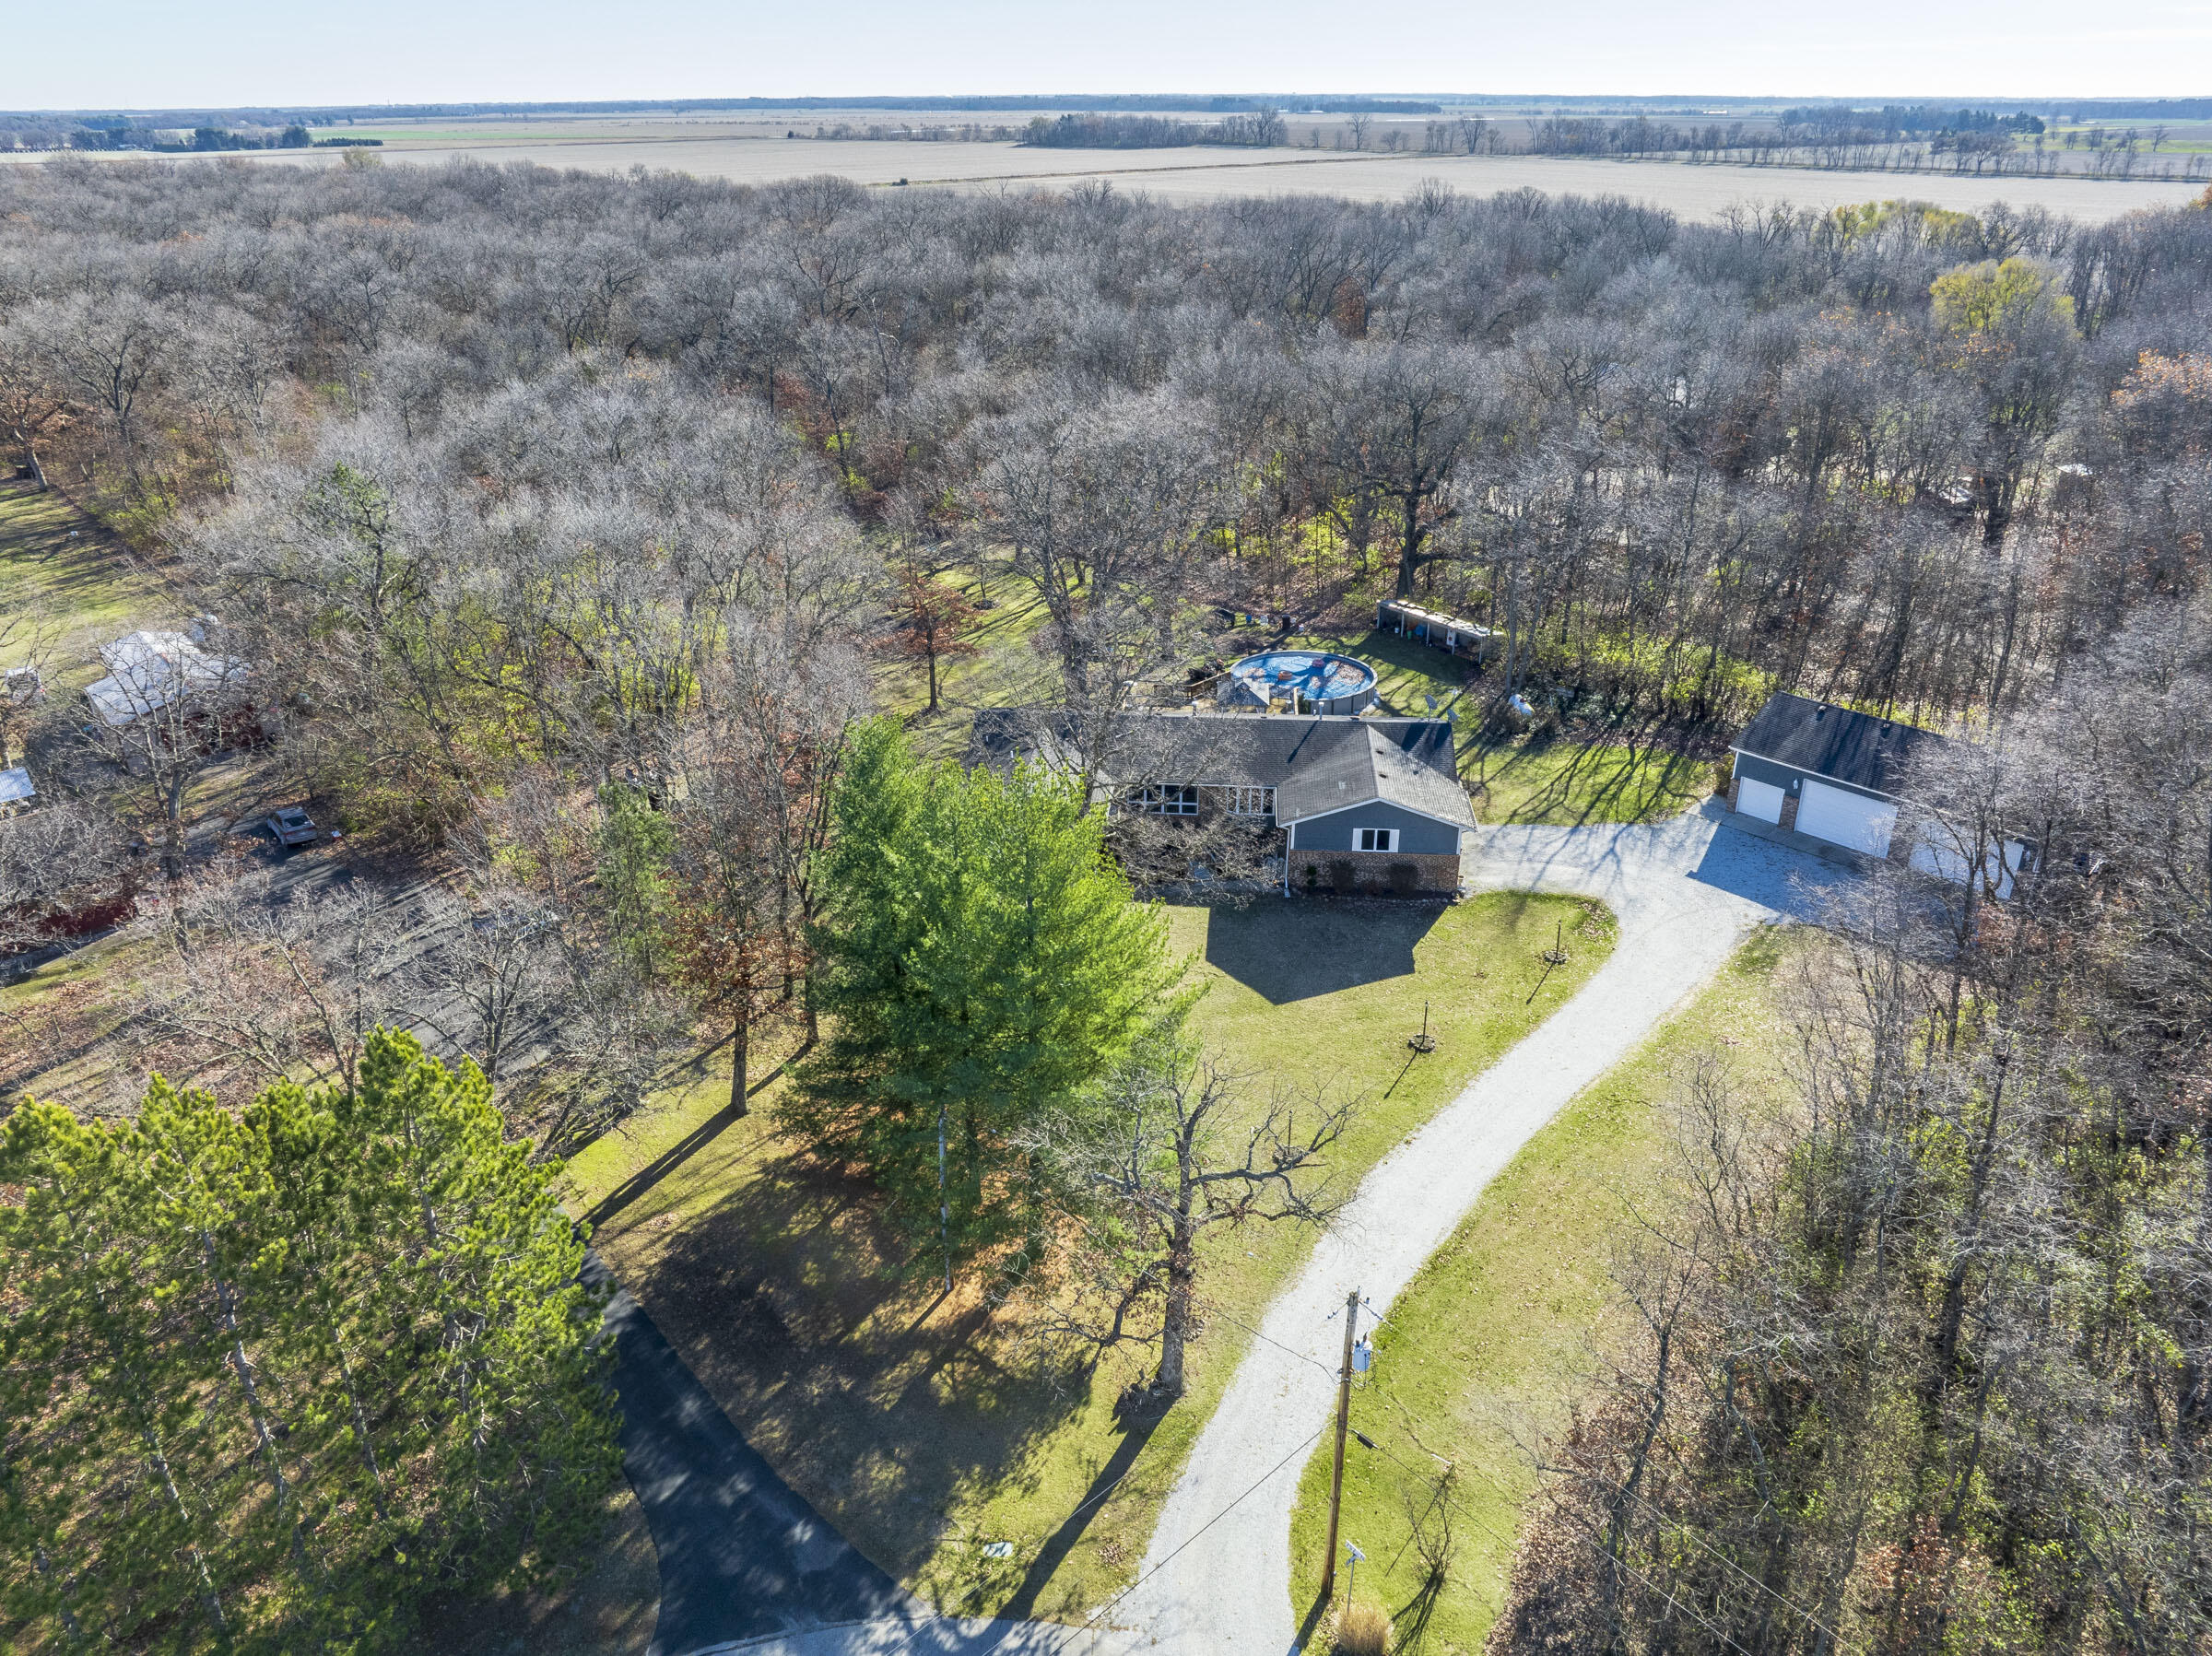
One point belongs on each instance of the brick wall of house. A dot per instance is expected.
(1434, 873)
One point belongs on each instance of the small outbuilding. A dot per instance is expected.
(149, 670)
(1824, 772)
(1839, 777)
(15, 790)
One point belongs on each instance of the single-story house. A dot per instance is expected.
(148, 671)
(1361, 803)
(1839, 776)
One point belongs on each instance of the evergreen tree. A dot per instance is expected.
(986, 969)
(632, 849)
(266, 1379)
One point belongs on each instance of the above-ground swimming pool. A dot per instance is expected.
(1321, 682)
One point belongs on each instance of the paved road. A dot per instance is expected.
(1685, 893)
(742, 1554)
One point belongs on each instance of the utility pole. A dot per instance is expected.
(1343, 1425)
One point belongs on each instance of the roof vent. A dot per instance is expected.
(1821, 712)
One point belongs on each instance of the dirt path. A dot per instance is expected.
(1216, 1577)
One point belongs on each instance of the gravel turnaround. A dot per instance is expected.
(1216, 1577)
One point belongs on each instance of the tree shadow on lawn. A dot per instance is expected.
(1137, 1429)
(1582, 791)
(877, 1397)
(1311, 947)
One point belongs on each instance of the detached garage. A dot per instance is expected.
(1826, 772)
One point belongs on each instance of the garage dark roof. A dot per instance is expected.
(1856, 749)
(1409, 763)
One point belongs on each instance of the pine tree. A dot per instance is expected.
(268, 1378)
(986, 971)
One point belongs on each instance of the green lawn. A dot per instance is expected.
(56, 560)
(1540, 778)
(1621, 776)
(1484, 1350)
(1004, 671)
(921, 1425)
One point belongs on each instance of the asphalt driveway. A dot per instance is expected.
(742, 1555)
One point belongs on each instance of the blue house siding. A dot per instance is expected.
(1418, 835)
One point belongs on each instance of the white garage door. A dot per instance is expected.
(1762, 800)
(1843, 818)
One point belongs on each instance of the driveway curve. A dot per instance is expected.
(1685, 893)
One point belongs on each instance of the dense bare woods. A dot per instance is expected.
(538, 501)
(1640, 443)
(1925, 1365)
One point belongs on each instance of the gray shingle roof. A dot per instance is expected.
(1856, 749)
(1406, 762)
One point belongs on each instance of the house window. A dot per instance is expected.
(1378, 838)
(1168, 799)
(1252, 802)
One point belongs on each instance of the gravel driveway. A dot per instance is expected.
(1216, 1577)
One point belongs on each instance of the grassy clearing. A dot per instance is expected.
(1551, 778)
(920, 1423)
(56, 561)
(1004, 671)
(1484, 1350)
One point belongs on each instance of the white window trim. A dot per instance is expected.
(1251, 801)
(1167, 799)
(1388, 839)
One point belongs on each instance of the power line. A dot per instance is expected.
(1288, 1351)
(1591, 1538)
(1619, 1563)
(1099, 1614)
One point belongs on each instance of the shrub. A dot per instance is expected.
(1364, 1630)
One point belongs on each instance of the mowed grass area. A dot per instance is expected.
(1558, 780)
(1483, 1352)
(1618, 774)
(922, 1424)
(58, 564)
(1004, 669)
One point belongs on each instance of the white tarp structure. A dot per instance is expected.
(148, 671)
(15, 789)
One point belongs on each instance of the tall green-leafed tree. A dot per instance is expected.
(632, 851)
(985, 969)
(267, 1378)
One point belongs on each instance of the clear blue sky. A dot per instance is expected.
(152, 54)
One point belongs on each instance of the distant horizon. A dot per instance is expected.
(154, 55)
(1186, 101)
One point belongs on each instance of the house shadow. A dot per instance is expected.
(1311, 947)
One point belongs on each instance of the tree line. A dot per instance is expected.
(1922, 1361)
(519, 490)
